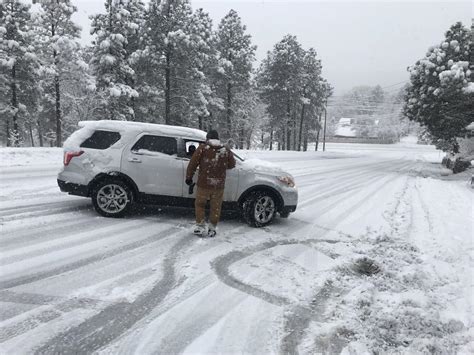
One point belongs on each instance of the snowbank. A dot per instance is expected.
(12, 157)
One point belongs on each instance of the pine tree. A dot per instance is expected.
(236, 55)
(294, 91)
(281, 81)
(58, 50)
(439, 97)
(168, 39)
(202, 55)
(315, 92)
(18, 65)
(111, 59)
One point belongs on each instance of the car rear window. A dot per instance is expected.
(165, 145)
(101, 140)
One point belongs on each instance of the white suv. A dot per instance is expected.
(119, 164)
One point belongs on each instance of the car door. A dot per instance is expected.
(153, 164)
(232, 176)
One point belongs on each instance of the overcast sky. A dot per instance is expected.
(360, 43)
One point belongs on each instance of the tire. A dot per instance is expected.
(112, 198)
(259, 209)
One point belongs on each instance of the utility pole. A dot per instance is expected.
(325, 119)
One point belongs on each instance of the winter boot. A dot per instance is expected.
(199, 229)
(211, 233)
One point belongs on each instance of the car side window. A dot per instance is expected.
(191, 147)
(101, 140)
(159, 144)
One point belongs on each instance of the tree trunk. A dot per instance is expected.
(305, 143)
(200, 122)
(317, 136)
(7, 128)
(15, 106)
(168, 86)
(40, 134)
(301, 127)
(30, 129)
(295, 131)
(324, 130)
(58, 113)
(271, 138)
(229, 110)
(288, 125)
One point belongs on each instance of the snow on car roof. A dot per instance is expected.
(129, 126)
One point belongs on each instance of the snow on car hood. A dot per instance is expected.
(264, 167)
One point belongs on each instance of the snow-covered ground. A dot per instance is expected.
(378, 258)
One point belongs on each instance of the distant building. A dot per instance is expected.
(356, 127)
(345, 128)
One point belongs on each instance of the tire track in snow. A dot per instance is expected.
(50, 308)
(79, 206)
(22, 280)
(299, 318)
(55, 229)
(6, 211)
(80, 238)
(352, 182)
(116, 319)
(349, 170)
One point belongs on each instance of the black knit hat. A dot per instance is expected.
(212, 134)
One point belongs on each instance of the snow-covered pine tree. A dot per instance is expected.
(79, 100)
(167, 44)
(294, 91)
(202, 64)
(314, 94)
(58, 50)
(249, 111)
(440, 96)
(18, 66)
(111, 59)
(236, 55)
(280, 79)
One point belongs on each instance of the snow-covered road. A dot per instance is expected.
(378, 257)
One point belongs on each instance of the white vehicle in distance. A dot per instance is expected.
(119, 164)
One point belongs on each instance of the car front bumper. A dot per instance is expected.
(290, 198)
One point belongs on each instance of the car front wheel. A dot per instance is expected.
(112, 198)
(259, 209)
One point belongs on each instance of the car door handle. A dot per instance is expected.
(134, 160)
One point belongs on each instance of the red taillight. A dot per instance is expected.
(69, 155)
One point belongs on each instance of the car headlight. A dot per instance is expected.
(287, 180)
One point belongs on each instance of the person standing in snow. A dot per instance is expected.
(213, 160)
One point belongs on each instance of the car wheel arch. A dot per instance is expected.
(114, 174)
(262, 188)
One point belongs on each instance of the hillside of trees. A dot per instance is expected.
(160, 62)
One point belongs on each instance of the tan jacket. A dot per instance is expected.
(213, 161)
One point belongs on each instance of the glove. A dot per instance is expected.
(189, 182)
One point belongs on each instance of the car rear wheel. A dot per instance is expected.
(112, 198)
(259, 209)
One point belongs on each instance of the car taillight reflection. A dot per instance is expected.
(69, 155)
